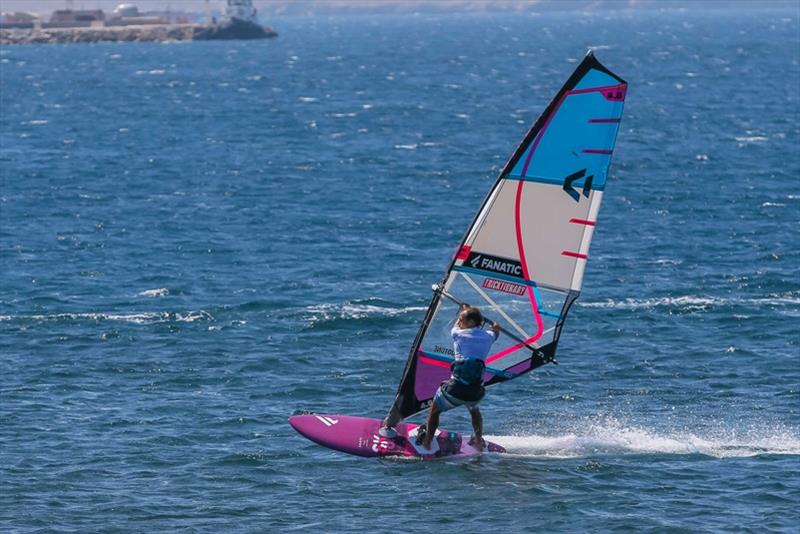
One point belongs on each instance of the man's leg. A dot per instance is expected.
(431, 424)
(477, 426)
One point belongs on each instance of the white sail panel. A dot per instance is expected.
(539, 225)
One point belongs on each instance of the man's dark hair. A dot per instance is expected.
(473, 315)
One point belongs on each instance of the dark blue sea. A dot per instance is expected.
(200, 239)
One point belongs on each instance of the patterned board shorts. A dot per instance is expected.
(447, 401)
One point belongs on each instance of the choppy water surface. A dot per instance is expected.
(199, 239)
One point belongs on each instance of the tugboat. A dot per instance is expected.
(240, 22)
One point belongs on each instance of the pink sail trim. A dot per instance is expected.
(531, 296)
(512, 348)
(431, 361)
(574, 254)
(524, 264)
(609, 92)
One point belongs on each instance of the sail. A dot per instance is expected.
(522, 259)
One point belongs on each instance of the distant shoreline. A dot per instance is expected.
(144, 33)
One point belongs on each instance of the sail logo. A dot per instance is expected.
(443, 350)
(587, 185)
(328, 421)
(485, 262)
(505, 287)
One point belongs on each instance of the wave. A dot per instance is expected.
(692, 302)
(751, 138)
(348, 310)
(159, 292)
(614, 439)
(136, 318)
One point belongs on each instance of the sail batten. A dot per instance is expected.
(523, 257)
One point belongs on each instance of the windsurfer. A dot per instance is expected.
(471, 344)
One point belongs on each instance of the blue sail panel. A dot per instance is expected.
(580, 135)
(577, 134)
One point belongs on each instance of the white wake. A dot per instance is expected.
(694, 302)
(616, 439)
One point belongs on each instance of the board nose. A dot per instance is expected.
(300, 422)
(313, 426)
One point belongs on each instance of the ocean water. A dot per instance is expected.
(199, 239)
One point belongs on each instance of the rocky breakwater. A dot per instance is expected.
(154, 32)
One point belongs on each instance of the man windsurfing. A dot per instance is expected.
(471, 345)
